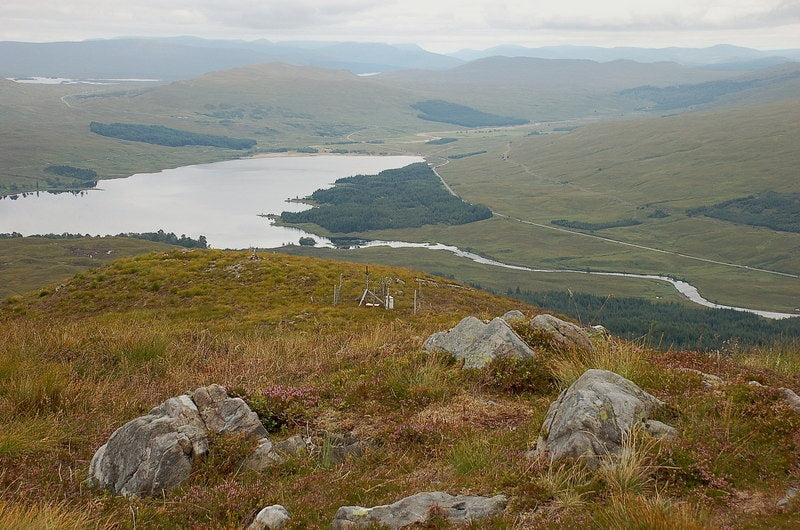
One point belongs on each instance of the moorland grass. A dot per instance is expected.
(78, 367)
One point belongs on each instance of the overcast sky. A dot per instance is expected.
(436, 25)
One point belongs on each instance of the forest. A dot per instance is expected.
(666, 325)
(159, 237)
(446, 112)
(411, 196)
(778, 211)
(580, 225)
(160, 135)
(72, 172)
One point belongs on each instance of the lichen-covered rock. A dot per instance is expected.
(270, 518)
(155, 453)
(478, 343)
(562, 334)
(591, 418)
(418, 509)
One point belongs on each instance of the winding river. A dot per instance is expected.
(226, 201)
(686, 289)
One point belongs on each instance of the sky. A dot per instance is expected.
(437, 25)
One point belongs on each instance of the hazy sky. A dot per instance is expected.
(437, 25)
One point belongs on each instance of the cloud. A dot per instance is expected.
(448, 22)
(271, 15)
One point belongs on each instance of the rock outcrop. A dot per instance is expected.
(155, 453)
(478, 343)
(418, 509)
(591, 418)
(562, 334)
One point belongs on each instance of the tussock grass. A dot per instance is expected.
(621, 357)
(632, 471)
(568, 484)
(30, 436)
(631, 512)
(43, 517)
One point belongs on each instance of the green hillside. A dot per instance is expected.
(113, 342)
(286, 107)
(37, 263)
(650, 171)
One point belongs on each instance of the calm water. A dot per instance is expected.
(221, 201)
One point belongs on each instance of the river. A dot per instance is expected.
(686, 289)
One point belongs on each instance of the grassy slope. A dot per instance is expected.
(545, 90)
(293, 106)
(122, 338)
(32, 263)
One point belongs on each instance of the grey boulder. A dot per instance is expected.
(792, 399)
(420, 508)
(562, 334)
(591, 418)
(270, 518)
(155, 453)
(478, 343)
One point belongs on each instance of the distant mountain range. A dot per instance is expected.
(174, 58)
(722, 56)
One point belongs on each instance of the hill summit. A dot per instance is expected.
(294, 340)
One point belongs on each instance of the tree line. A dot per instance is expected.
(580, 225)
(665, 325)
(446, 112)
(159, 237)
(778, 211)
(160, 135)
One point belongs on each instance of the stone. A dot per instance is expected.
(787, 499)
(293, 445)
(152, 453)
(591, 418)
(263, 457)
(270, 518)
(224, 414)
(420, 508)
(709, 380)
(478, 343)
(329, 448)
(155, 453)
(562, 334)
(791, 398)
(514, 314)
(660, 430)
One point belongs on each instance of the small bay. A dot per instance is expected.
(223, 201)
